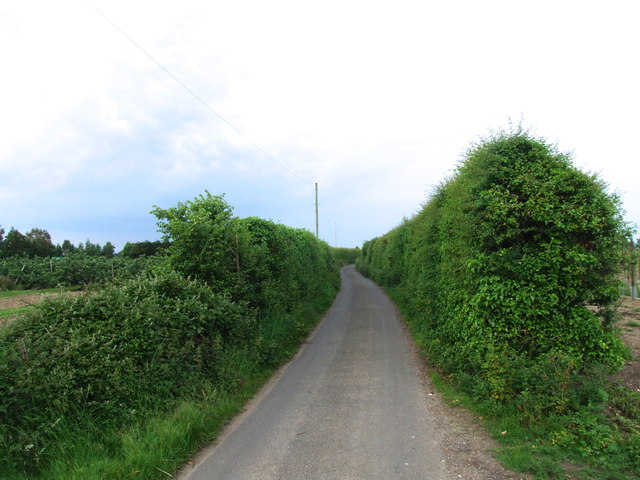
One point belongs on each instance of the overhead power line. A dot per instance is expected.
(195, 95)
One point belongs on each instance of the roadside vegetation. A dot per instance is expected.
(508, 278)
(133, 377)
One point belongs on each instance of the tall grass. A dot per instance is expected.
(151, 447)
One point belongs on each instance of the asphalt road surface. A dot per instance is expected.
(351, 405)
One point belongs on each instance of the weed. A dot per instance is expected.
(598, 442)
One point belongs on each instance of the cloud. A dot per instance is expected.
(374, 101)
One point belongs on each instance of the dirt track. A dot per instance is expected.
(630, 327)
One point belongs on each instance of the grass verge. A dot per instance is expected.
(598, 443)
(601, 441)
(160, 439)
(18, 293)
(10, 312)
(153, 447)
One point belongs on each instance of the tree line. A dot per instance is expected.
(37, 243)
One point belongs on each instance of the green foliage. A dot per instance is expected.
(37, 243)
(146, 248)
(498, 268)
(138, 346)
(252, 259)
(202, 238)
(105, 355)
(14, 243)
(590, 443)
(508, 278)
(108, 250)
(277, 265)
(74, 269)
(346, 256)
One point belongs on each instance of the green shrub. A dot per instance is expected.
(496, 271)
(73, 269)
(108, 354)
(140, 345)
(346, 256)
(252, 259)
(202, 240)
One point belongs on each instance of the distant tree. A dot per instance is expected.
(14, 243)
(108, 250)
(91, 249)
(39, 243)
(67, 248)
(1, 239)
(139, 249)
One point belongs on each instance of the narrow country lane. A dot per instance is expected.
(352, 405)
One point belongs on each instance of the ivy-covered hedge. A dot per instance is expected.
(508, 274)
(232, 297)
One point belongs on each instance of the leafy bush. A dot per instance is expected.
(233, 297)
(201, 236)
(497, 270)
(346, 256)
(272, 266)
(106, 355)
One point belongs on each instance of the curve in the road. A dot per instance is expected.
(351, 405)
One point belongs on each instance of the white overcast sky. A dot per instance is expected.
(374, 100)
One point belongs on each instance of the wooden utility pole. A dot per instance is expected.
(634, 266)
(317, 210)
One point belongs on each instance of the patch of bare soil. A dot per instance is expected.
(629, 325)
(26, 300)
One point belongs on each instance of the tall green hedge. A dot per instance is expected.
(232, 297)
(508, 273)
